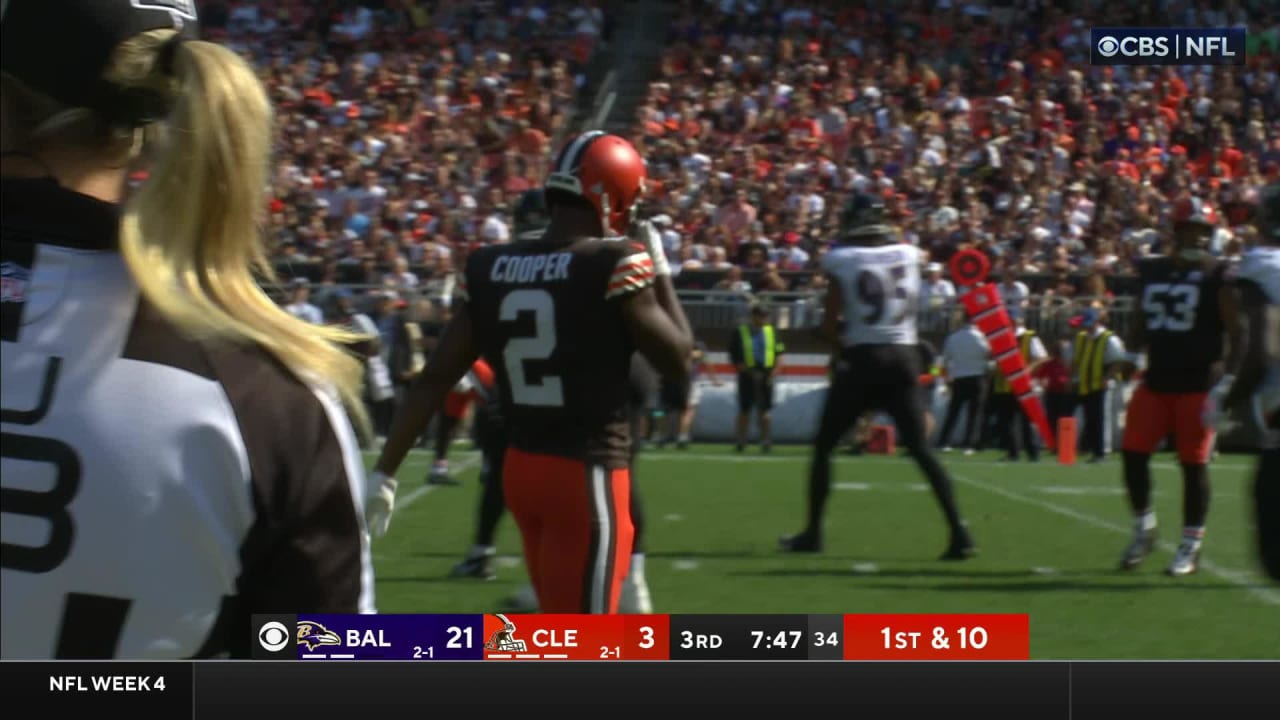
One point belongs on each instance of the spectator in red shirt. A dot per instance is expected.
(1054, 378)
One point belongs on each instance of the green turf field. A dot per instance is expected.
(1049, 536)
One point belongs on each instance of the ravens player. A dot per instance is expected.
(874, 285)
(1188, 307)
(530, 221)
(558, 319)
(1256, 392)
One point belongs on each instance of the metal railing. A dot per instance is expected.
(710, 310)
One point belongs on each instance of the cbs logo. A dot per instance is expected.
(1110, 46)
(273, 636)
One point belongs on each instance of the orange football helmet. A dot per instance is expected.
(604, 170)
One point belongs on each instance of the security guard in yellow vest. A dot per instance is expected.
(1014, 425)
(1095, 357)
(755, 350)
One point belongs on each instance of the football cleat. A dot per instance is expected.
(440, 476)
(805, 542)
(961, 547)
(1141, 546)
(479, 567)
(1186, 561)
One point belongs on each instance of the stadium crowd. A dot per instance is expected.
(407, 128)
(982, 124)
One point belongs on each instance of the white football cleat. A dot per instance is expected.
(1141, 546)
(1186, 561)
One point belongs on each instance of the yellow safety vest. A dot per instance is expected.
(1088, 362)
(771, 347)
(1000, 385)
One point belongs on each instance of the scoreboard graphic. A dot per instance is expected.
(604, 638)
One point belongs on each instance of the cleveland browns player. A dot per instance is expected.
(1188, 308)
(558, 319)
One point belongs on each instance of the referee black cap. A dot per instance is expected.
(62, 48)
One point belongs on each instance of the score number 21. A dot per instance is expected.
(456, 642)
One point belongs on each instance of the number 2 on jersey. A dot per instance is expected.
(1171, 307)
(549, 392)
(873, 293)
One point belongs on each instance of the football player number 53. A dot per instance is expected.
(1170, 307)
(548, 392)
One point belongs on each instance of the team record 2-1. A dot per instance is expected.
(498, 637)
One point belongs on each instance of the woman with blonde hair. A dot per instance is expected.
(176, 452)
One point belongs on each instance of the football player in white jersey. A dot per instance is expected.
(1256, 392)
(175, 451)
(874, 286)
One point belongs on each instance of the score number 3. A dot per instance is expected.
(1171, 307)
(549, 392)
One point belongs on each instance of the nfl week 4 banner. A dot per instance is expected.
(511, 637)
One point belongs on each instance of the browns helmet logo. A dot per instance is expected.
(503, 639)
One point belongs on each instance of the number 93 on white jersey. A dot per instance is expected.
(880, 286)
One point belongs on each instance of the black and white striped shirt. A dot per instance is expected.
(157, 490)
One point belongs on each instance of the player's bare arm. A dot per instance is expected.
(657, 335)
(664, 292)
(1137, 343)
(664, 289)
(1229, 312)
(453, 356)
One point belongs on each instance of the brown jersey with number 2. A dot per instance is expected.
(548, 319)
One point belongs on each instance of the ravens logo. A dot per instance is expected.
(313, 635)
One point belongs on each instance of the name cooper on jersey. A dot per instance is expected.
(514, 269)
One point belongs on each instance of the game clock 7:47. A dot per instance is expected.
(781, 640)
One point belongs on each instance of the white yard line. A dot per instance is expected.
(425, 489)
(1235, 577)
(755, 456)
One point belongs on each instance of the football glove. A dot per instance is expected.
(644, 232)
(380, 502)
(1216, 416)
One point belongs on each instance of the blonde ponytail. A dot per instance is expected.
(191, 235)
